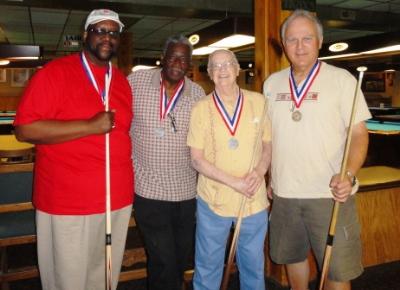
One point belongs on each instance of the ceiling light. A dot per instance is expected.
(390, 70)
(4, 61)
(158, 62)
(374, 51)
(339, 46)
(24, 58)
(232, 41)
(338, 56)
(384, 49)
(194, 39)
(205, 50)
(235, 40)
(140, 67)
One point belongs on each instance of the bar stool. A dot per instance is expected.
(13, 151)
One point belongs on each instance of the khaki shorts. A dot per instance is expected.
(300, 224)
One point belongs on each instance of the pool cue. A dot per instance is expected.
(335, 211)
(108, 198)
(242, 206)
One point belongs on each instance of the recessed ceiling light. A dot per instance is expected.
(194, 39)
(362, 68)
(339, 46)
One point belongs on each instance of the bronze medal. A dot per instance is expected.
(296, 116)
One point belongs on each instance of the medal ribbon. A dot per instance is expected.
(230, 123)
(166, 105)
(299, 95)
(108, 76)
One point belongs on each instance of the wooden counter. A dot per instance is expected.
(378, 204)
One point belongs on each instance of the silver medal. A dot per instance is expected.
(296, 116)
(159, 132)
(233, 143)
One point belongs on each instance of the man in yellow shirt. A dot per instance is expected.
(223, 137)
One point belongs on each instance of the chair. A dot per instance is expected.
(17, 217)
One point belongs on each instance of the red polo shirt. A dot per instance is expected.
(70, 176)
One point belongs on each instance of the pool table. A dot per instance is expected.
(384, 127)
(384, 143)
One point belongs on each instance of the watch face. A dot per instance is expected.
(352, 177)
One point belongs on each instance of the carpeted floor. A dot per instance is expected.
(382, 277)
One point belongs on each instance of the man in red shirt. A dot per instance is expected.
(63, 112)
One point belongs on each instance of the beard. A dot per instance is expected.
(103, 55)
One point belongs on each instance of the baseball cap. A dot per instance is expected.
(99, 15)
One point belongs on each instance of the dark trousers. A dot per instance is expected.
(168, 232)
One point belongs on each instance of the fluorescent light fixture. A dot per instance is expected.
(232, 41)
(141, 67)
(339, 46)
(374, 51)
(235, 40)
(4, 61)
(338, 56)
(24, 58)
(390, 70)
(205, 50)
(384, 49)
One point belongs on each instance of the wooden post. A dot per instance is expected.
(269, 56)
(124, 54)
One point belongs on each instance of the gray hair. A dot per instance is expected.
(233, 57)
(175, 40)
(305, 14)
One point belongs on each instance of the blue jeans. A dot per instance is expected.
(212, 232)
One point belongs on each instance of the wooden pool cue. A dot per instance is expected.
(332, 226)
(108, 194)
(235, 237)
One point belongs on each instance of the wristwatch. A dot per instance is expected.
(352, 177)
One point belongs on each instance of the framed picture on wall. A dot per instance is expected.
(19, 77)
(3, 75)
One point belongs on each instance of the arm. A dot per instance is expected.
(255, 177)
(55, 131)
(357, 153)
(246, 185)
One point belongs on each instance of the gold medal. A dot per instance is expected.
(296, 116)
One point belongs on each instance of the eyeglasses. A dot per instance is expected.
(104, 32)
(171, 117)
(224, 65)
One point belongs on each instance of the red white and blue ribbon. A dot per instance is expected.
(230, 123)
(298, 94)
(108, 76)
(166, 105)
